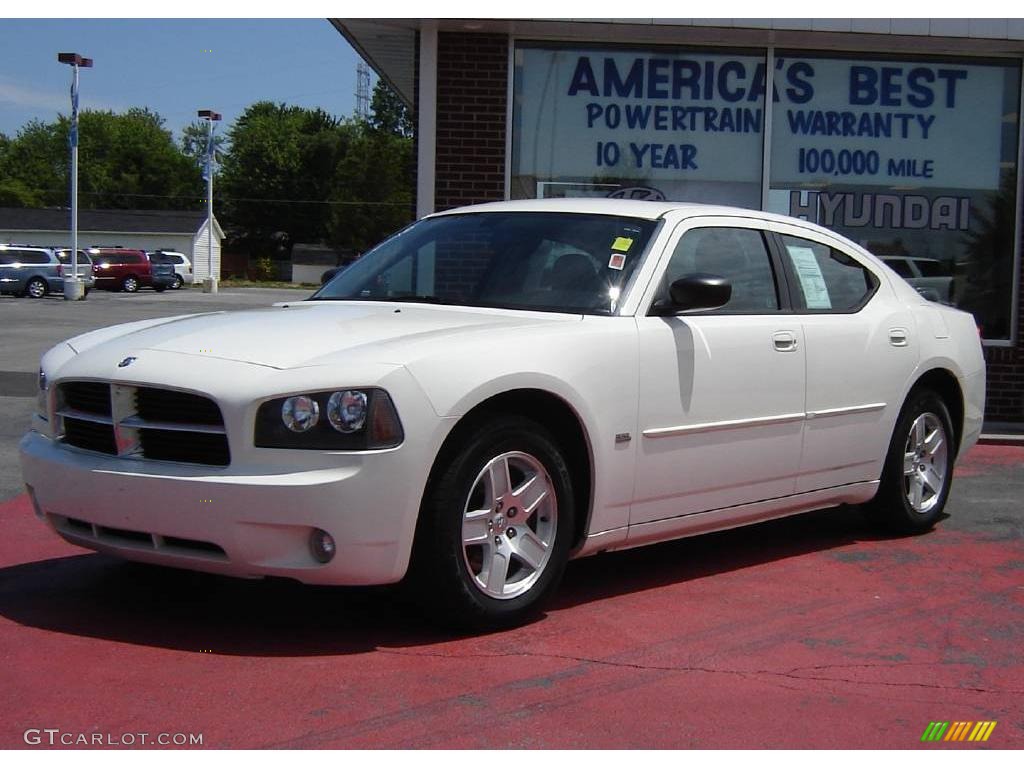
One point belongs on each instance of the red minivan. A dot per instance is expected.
(121, 269)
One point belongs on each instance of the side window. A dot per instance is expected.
(177, 260)
(29, 257)
(739, 255)
(827, 279)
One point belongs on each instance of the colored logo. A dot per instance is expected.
(126, 362)
(959, 731)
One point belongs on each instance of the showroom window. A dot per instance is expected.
(914, 159)
(910, 159)
(650, 124)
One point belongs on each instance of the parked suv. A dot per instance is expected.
(84, 267)
(124, 269)
(181, 264)
(34, 271)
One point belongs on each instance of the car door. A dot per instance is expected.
(861, 348)
(721, 392)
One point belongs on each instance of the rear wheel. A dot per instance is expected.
(36, 288)
(178, 282)
(130, 285)
(495, 528)
(918, 469)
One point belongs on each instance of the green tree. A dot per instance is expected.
(373, 190)
(388, 112)
(280, 171)
(125, 160)
(193, 141)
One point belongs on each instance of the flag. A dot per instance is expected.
(73, 137)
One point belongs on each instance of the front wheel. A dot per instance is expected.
(36, 288)
(918, 469)
(496, 527)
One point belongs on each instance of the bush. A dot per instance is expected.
(264, 269)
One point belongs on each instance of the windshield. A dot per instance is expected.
(553, 262)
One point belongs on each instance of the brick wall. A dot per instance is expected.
(472, 91)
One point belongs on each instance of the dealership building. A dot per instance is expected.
(902, 134)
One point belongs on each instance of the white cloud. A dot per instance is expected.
(28, 98)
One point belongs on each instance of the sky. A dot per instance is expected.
(173, 66)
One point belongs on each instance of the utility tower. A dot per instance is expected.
(362, 91)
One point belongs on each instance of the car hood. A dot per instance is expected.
(313, 333)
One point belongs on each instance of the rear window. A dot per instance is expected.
(900, 267)
(65, 257)
(931, 268)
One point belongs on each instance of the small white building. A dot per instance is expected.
(184, 231)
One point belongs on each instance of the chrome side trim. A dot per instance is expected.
(843, 411)
(714, 426)
(786, 418)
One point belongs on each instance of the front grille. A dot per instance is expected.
(192, 447)
(87, 396)
(143, 423)
(169, 405)
(90, 435)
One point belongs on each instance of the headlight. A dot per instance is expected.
(357, 419)
(347, 410)
(300, 414)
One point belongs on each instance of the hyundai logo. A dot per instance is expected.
(126, 362)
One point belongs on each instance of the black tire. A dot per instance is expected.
(36, 288)
(130, 284)
(178, 282)
(443, 576)
(893, 508)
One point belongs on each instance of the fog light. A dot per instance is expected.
(322, 545)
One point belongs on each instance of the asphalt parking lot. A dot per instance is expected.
(806, 632)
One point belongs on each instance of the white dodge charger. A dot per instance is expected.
(500, 388)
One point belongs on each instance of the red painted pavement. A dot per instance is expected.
(808, 632)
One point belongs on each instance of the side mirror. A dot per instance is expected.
(695, 292)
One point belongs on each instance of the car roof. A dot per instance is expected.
(641, 209)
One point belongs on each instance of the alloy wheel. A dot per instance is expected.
(925, 463)
(509, 524)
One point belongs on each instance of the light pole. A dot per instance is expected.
(211, 117)
(74, 289)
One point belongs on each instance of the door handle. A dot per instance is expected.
(898, 337)
(784, 341)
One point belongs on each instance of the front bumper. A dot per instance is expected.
(239, 524)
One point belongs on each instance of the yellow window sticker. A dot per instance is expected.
(622, 244)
